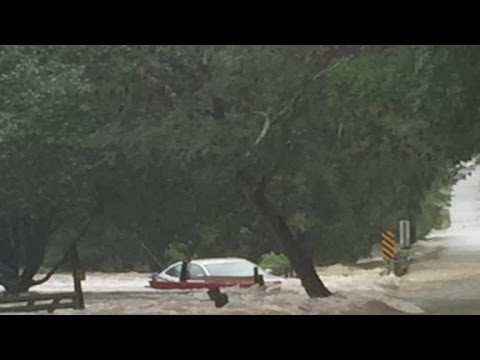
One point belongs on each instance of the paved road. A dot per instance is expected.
(448, 280)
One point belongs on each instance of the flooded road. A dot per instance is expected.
(444, 279)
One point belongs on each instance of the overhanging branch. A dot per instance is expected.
(342, 56)
(266, 126)
(63, 259)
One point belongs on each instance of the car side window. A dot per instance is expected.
(196, 271)
(175, 271)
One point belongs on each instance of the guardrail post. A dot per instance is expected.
(78, 276)
(404, 234)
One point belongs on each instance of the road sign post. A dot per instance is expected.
(404, 231)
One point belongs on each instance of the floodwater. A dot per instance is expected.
(444, 279)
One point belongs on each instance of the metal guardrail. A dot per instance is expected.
(57, 301)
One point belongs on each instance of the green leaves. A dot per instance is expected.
(278, 264)
(46, 113)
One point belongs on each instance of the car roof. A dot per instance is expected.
(216, 261)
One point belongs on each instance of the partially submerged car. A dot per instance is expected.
(213, 273)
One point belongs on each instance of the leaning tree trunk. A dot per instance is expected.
(8, 255)
(301, 262)
(255, 193)
(35, 238)
(35, 247)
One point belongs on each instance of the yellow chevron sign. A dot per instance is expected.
(388, 245)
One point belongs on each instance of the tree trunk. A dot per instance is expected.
(35, 239)
(15, 233)
(301, 262)
(35, 248)
(8, 257)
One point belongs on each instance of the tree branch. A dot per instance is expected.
(290, 107)
(64, 257)
(266, 127)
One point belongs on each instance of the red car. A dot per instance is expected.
(212, 273)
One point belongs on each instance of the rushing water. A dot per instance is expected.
(443, 280)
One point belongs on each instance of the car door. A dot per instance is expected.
(172, 273)
(195, 271)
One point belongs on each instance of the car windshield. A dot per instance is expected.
(233, 268)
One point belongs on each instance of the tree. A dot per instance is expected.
(45, 117)
(232, 87)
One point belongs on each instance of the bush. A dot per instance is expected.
(443, 220)
(176, 252)
(278, 264)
